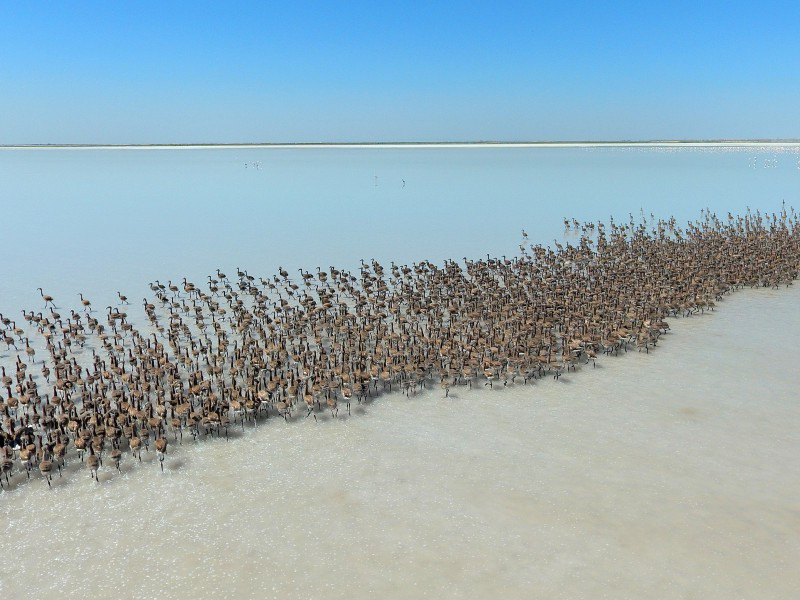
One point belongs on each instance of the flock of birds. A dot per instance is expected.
(234, 351)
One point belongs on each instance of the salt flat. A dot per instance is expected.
(769, 145)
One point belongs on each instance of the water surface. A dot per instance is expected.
(669, 474)
(98, 221)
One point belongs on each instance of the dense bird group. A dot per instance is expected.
(237, 350)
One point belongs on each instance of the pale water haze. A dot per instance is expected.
(98, 221)
(672, 473)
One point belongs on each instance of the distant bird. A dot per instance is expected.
(47, 299)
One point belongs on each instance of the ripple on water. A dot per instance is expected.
(670, 473)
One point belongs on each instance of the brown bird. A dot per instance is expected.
(46, 466)
(93, 464)
(161, 451)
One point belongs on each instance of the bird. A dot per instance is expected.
(47, 299)
(161, 451)
(93, 464)
(46, 467)
(86, 304)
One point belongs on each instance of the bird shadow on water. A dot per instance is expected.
(175, 464)
(76, 473)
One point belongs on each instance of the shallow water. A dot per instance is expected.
(98, 221)
(669, 474)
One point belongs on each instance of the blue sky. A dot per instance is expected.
(158, 72)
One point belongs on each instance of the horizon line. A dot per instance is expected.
(418, 144)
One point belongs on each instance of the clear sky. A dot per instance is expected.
(169, 72)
